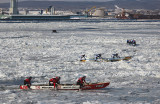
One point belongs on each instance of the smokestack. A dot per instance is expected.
(52, 11)
(13, 7)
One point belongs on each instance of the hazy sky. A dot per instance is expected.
(6, 1)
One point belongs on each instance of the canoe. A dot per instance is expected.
(117, 59)
(89, 86)
(93, 86)
(109, 59)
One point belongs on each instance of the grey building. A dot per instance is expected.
(13, 7)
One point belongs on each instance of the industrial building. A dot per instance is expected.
(1, 11)
(100, 12)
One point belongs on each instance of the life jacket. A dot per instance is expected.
(54, 80)
(28, 81)
(81, 80)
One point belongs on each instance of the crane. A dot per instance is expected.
(89, 10)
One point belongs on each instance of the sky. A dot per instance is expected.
(6, 1)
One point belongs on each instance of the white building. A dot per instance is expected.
(1, 10)
(52, 10)
(100, 12)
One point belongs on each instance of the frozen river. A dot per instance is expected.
(31, 49)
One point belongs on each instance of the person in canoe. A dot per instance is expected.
(54, 81)
(98, 56)
(28, 82)
(81, 81)
(82, 57)
(115, 55)
(133, 42)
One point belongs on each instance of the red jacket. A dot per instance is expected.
(28, 81)
(54, 80)
(81, 80)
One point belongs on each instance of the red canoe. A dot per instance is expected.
(90, 86)
(93, 86)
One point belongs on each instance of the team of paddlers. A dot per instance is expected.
(53, 81)
(131, 42)
(98, 56)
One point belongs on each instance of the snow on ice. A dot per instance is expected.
(31, 49)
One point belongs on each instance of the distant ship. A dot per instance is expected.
(39, 17)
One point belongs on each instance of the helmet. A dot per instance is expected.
(84, 76)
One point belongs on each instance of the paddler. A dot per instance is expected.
(98, 56)
(28, 81)
(81, 81)
(83, 57)
(54, 81)
(133, 42)
(115, 55)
